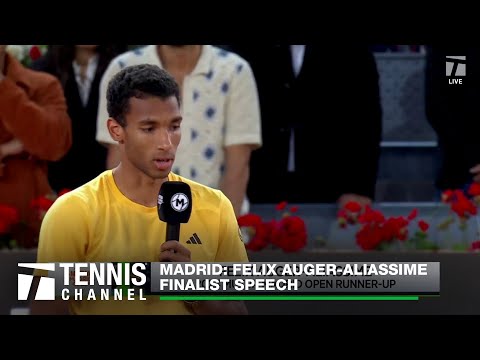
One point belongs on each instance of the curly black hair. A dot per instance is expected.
(138, 81)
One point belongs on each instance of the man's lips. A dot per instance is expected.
(163, 163)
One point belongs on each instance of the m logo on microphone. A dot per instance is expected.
(179, 202)
(175, 207)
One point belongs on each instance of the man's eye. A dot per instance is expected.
(147, 130)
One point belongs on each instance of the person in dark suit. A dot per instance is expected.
(321, 114)
(454, 113)
(79, 69)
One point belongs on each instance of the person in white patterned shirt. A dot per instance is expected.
(220, 109)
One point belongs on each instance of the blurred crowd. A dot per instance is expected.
(263, 123)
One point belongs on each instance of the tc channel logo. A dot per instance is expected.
(456, 68)
(46, 286)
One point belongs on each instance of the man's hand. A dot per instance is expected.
(12, 147)
(174, 251)
(476, 173)
(362, 200)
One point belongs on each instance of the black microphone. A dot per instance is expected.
(174, 206)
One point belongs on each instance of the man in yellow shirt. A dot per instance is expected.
(113, 218)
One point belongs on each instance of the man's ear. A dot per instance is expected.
(115, 130)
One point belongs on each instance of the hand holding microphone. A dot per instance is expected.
(174, 251)
(174, 206)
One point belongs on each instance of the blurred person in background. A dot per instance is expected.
(79, 69)
(220, 109)
(34, 128)
(453, 112)
(321, 114)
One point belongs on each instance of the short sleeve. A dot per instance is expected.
(64, 234)
(231, 247)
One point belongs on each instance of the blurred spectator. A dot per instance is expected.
(454, 113)
(79, 68)
(34, 127)
(321, 114)
(220, 109)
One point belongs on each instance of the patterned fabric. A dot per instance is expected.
(219, 107)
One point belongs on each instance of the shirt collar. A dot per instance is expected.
(91, 67)
(204, 64)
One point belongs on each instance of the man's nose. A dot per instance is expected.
(163, 140)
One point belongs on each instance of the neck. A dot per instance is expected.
(82, 55)
(137, 186)
(179, 58)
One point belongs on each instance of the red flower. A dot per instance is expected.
(257, 232)
(377, 229)
(8, 216)
(394, 228)
(35, 53)
(349, 214)
(370, 216)
(423, 225)
(249, 220)
(281, 206)
(474, 189)
(413, 214)
(447, 196)
(462, 206)
(261, 236)
(26, 234)
(475, 246)
(353, 206)
(290, 234)
(369, 236)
